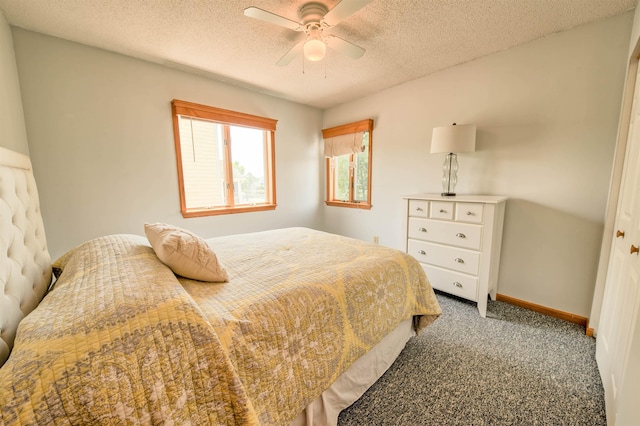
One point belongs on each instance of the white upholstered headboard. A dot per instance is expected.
(25, 264)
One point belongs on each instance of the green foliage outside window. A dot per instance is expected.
(360, 174)
(342, 177)
(251, 188)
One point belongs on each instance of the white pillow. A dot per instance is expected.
(185, 253)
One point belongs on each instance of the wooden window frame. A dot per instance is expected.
(227, 118)
(345, 129)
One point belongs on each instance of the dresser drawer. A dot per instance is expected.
(465, 235)
(455, 283)
(441, 210)
(419, 208)
(458, 259)
(469, 212)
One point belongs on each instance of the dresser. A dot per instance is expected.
(457, 241)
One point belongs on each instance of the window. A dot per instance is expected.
(347, 149)
(225, 160)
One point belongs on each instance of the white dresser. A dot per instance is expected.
(457, 241)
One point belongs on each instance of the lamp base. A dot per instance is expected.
(449, 175)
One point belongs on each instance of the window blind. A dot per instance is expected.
(351, 143)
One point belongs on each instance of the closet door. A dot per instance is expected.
(617, 348)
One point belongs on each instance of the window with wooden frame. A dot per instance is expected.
(348, 150)
(226, 160)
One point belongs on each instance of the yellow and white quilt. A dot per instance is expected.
(121, 340)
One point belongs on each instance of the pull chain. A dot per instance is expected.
(325, 67)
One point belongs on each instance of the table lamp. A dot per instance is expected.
(452, 140)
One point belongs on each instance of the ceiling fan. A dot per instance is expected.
(314, 19)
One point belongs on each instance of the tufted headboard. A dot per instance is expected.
(25, 264)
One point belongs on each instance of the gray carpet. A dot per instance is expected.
(515, 367)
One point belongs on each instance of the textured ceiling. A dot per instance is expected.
(404, 39)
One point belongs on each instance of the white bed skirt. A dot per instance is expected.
(354, 382)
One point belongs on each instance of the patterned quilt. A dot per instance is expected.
(121, 341)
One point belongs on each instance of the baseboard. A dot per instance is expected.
(590, 331)
(576, 319)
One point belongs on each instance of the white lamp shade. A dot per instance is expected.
(456, 138)
(314, 49)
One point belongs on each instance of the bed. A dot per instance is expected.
(304, 323)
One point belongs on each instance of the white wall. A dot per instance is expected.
(13, 134)
(616, 175)
(547, 114)
(635, 34)
(101, 142)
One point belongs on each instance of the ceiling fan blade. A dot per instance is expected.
(263, 15)
(292, 53)
(345, 47)
(343, 10)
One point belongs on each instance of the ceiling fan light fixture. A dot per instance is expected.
(314, 49)
(314, 18)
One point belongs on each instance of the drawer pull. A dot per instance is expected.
(457, 284)
(422, 252)
(470, 213)
(418, 209)
(443, 211)
(634, 249)
(619, 234)
(461, 235)
(422, 230)
(457, 259)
